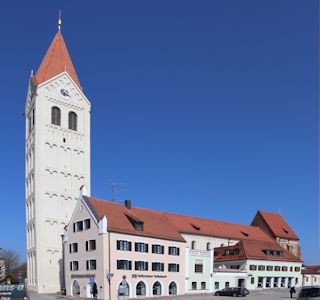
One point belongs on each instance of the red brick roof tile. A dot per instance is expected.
(277, 224)
(56, 61)
(254, 250)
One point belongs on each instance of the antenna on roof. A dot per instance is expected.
(115, 190)
(59, 21)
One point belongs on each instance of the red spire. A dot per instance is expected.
(56, 61)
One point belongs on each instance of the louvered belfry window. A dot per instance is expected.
(55, 116)
(73, 118)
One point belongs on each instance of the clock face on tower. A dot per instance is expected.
(64, 92)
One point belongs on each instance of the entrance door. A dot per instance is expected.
(241, 282)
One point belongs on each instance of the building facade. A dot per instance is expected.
(57, 159)
(121, 251)
(311, 275)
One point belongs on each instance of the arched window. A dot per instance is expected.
(172, 288)
(141, 289)
(75, 288)
(193, 245)
(123, 289)
(73, 119)
(208, 246)
(55, 116)
(156, 289)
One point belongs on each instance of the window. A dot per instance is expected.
(157, 249)
(156, 289)
(235, 267)
(124, 264)
(277, 268)
(198, 267)
(124, 245)
(194, 285)
(172, 288)
(73, 120)
(297, 269)
(141, 247)
(91, 264)
(203, 285)
(123, 289)
(291, 269)
(86, 224)
(216, 285)
(74, 266)
(253, 267)
(73, 248)
(193, 245)
(252, 280)
(141, 289)
(55, 116)
(261, 268)
(158, 267)
(174, 251)
(297, 279)
(75, 288)
(227, 284)
(269, 268)
(91, 245)
(208, 246)
(141, 266)
(284, 269)
(173, 267)
(78, 226)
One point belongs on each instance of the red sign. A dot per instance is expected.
(124, 277)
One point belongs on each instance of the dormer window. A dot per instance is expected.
(285, 230)
(136, 223)
(245, 233)
(196, 227)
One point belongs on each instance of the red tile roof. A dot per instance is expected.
(168, 225)
(56, 61)
(206, 227)
(277, 224)
(254, 250)
(315, 270)
(155, 224)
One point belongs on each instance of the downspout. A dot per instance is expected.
(109, 258)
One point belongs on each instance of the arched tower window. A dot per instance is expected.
(208, 246)
(73, 120)
(55, 116)
(172, 288)
(193, 245)
(141, 289)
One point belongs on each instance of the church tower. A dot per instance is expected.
(57, 161)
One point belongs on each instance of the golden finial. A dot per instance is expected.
(59, 21)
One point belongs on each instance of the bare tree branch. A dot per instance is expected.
(9, 261)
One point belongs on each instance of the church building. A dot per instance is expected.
(57, 159)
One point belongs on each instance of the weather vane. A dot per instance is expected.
(59, 21)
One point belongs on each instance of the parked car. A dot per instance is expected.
(235, 292)
(309, 293)
(13, 292)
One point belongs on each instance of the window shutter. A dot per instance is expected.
(70, 265)
(178, 268)
(147, 267)
(162, 249)
(130, 263)
(178, 251)
(147, 247)
(118, 264)
(130, 247)
(70, 248)
(162, 267)
(136, 246)
(74, 227)
(118, 245)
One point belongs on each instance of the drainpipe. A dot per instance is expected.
(109, 278)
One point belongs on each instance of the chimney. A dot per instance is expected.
(127, 204)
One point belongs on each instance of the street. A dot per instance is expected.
(254, 295)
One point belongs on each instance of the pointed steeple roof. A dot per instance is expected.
(56, 61)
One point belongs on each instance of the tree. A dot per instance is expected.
(9, 262)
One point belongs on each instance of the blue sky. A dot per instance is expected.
(207, 108)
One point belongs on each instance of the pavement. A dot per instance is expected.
(254, 295)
